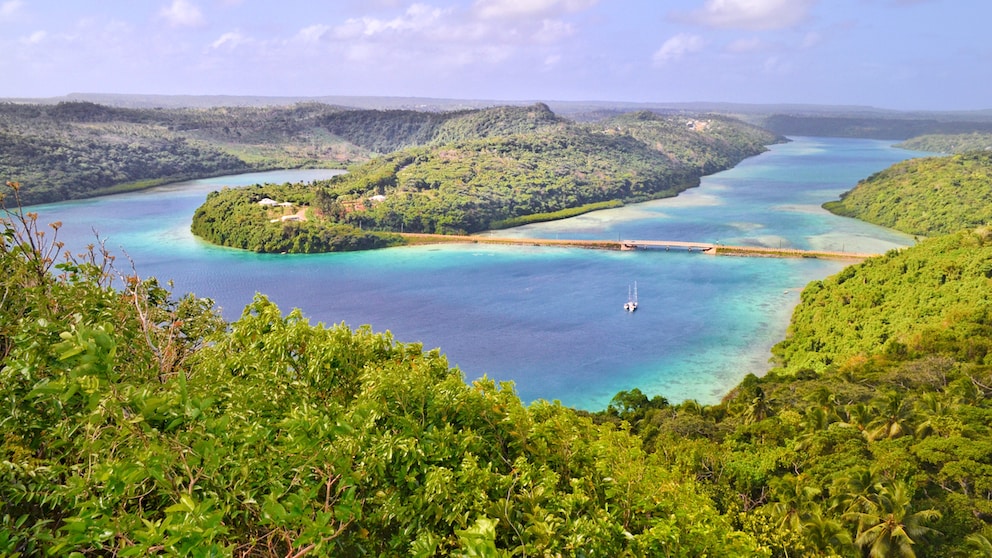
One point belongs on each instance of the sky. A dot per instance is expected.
(895, 54)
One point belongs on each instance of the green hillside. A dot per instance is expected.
(869, 124)
(925, 197)
(489, 169)
(949, 143)
(74, 150)
(135, 424)
(935, 297)
(138, 424)
(78, 149)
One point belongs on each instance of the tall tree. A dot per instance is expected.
(887, 525)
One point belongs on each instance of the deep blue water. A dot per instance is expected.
(549, 319)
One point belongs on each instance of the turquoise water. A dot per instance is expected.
(549, 319)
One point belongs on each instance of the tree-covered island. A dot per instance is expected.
(471, 171)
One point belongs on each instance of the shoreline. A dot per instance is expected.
(630, 245)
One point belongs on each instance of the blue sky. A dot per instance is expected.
(898, 54)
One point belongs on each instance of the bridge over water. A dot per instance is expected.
(668, 245)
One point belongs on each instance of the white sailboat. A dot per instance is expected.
(631, 303)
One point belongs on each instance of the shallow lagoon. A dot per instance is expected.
(549, 319)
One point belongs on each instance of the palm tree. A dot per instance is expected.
(857, 415)
(824, 398)
(828, 534)
(759, 409)
(692, 407)
(793, 499)
(934, 412)
(892, 420)
(964, 391)
(796, 508)
(887, 525)
(850, 488)
(979, 545)
(816, 419)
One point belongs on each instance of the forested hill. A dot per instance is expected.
(76, 149)
(950, 143)
(487, 169)
(137, 424)
(385, 131)
(79, 149)
(925, 196)
(872, 433)
(891, 127)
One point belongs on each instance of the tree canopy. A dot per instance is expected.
(950, 143)
(136, 424)
(495, 168)
(927, 196)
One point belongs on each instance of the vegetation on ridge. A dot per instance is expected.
(79, 149)
(928, 196)
(895, 126)
(136, 424)
(870, 436)
(949, 143)
(489, 169)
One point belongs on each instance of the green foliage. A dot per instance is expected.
(73, 150)
(467, 187)
(134, 425)
(555, 215)
(493, 168)
(931, 300)
(860, 126)
(949, 143)
(393, 130)
(870, 437)
(929, 196)
(233, 217)
(62, 168)
(508, 165)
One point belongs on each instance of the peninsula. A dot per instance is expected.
(469, 171)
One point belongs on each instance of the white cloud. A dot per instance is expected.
(755, 15)
(440, 39)
(229, 41)
(34, 38)
(552, 31)
(678, 46)
(417, 18)
(10, 8)
(313, 33)
(182, 13)
(498, 9)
